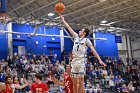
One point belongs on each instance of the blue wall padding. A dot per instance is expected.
(3, 5)
(104, 48)
(30, 42)
(108, 47)
(3, 46)
(68, 44)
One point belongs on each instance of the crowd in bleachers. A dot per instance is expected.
(23, 68)
(116, 77)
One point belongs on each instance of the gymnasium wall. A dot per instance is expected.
(108, 47)
(45, 43)
(136, 48)
(3, 46)
(3, 42)
(68, 44)
(122, 48)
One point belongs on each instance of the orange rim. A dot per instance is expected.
(4, 16)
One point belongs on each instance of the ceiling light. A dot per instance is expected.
(50, 14)
(104, 21)
(102, 0)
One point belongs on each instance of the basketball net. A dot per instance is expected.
(4, 18)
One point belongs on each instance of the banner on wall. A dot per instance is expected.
(21, 50)
(118, 39)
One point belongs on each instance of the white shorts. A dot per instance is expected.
(78, 66)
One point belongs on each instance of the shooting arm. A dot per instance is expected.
(68, 27)
(95, 53)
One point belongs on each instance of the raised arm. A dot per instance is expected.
(67, 26)
(97, 56)
(21, 87)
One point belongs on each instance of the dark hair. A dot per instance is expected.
(6, 78)
(87, 31)
(38, 76)
(14, 78)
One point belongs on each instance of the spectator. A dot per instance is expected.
(16, 82)
(124, 89)
(112, 85)
(54, 59)
(24, 81)
(14, 72)
(130, 86)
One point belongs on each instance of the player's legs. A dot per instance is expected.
(75, 84)
(81, 84)
(78, 84)
(78, 70)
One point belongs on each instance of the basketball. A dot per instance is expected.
(59, 7)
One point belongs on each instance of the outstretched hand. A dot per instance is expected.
(102, 63)
(61, 17)
(51, 78)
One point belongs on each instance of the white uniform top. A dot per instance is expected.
(80, 46)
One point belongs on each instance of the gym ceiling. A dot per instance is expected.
(119, 16)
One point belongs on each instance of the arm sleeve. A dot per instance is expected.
(31, 88)
(46, 87)
(88, 43)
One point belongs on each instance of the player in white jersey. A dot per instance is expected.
(81, 43)
(79, 54)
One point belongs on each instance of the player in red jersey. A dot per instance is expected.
(39, 86)
(67, 83)
(9, 87)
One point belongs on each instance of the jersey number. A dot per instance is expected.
(77, 47)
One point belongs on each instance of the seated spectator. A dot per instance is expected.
(136, 84)
(116, 79)
(46, 58)
(124, 89)
(62, 67)
(14, 72)
(16, 82)
(88, 86)
(2, 77)
(7, 71)
(111, 75)
(112, 85)
(102, 79)
(117, 86)
(130, 86)
(121, 79)
(107, 78)
(104, 71)
(24, 81)
(1, 69)
(35, 58)
(54, 59)
(25, 60)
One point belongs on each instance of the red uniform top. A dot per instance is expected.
(68, 83)
(39, 88)
(8, 89)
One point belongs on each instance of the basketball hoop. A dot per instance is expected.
(4, 18)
